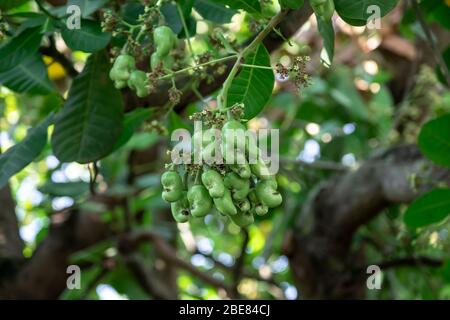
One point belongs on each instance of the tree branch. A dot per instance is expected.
(11, 244)
(70, 231)
(410, 262)
(319, 249)
(168, 253)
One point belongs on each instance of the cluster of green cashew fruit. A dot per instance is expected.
(237, 191)
(323, 8)
(124, 72)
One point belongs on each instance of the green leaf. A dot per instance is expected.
(213, 11)
(172, 17)
(89, 38)
(253, 86)
(19, 48)
(65, 189)
(132, 121)
(30, 76)
(251, 6)
(292, 4)
(90, 122)
(19, 156)
(186, 7)
(327, 31)
(87, 7)
(355, 12)
(434, 140)
(430, 208)
(9, 4)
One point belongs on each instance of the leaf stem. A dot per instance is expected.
(187, 69)
(186, 31)
(44, 10)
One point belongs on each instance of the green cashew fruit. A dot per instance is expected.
(172, 186)
(258, 208)
(225, 204)
(213, 181)
(164, 39)
(243, 219)
(243, 205)
(211, 142)
(323, 8)
(200, 201)
(167, 61)
(260, 169)
(261, 210)
(235, 142)
(119, 84)
(180, 209)
(268, 194)
(232, 137)
(137, 82)
(122, 68)
(239, 187)
(242, 170)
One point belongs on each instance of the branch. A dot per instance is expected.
(245, 272)
(410, 262)
(239, 265)
(318, 164)
(43, 276)
(168, 253)
(320, 249)
(11, 244)
(147, 278)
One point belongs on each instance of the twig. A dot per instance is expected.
(431, 41)
(187, 69)
(245, 272)
(318, 164)
(411, 261)
(168, 253)
(405, 262)
(44, 10)
(147, 279)
(239, 265)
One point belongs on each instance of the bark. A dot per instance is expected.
(321, 259)
(10, 243)
(44, 275)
